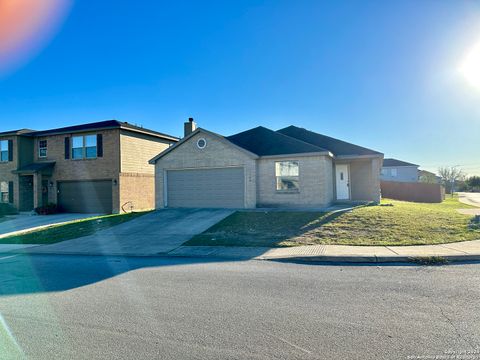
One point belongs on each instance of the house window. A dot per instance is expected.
(91, 146)
(286, 173)
(4, 150)
(394, 172)
(4, 197)
(42, 148)
(84, 147)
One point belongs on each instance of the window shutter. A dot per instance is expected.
(67, 148)
(99, 145)
(10, 150)
(10, 192)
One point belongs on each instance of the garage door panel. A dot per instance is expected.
(223, 187)
(85, 196)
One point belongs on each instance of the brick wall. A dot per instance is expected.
(315, 179)
(137, 191)
(137, 150)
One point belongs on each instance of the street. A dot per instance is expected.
(470, 198)
(72, 307)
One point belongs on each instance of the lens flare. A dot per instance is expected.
(470, 67)
(26, 26)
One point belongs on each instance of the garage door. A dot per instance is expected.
(85, 196)
(206, 188)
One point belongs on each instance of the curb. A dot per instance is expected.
(433, 260)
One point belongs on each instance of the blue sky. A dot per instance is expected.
(382, 74)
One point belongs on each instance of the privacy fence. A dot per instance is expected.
(416, 192)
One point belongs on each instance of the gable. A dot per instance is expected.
(216, 145)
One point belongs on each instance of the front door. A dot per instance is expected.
(342, 181)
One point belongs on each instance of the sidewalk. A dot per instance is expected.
(461, 251)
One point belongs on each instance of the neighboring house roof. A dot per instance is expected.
(396, 163)
(335, 146)
(265, 142)
(101, 125)
(16, 132)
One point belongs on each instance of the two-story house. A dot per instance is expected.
(99, 167)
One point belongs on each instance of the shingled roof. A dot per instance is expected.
(395, 163)
(265, 142)
(107, 124)
(335, 146)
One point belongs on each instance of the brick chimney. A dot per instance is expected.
(189, 127)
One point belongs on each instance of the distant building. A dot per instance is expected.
(397, 170)
(429, 177)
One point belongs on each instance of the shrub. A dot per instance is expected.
(7, 209)
(48, 209)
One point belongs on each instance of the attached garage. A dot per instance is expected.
(85, 196)
(206, 188)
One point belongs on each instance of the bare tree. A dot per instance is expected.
(451, 175)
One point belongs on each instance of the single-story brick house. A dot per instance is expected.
(291, 167)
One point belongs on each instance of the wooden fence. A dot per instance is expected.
(416, 192)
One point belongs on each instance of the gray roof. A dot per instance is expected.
(396, 163)
(16, 132)
(113, 124)
(335, 146)
(108, 124)
(265, 142)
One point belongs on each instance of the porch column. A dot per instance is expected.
(37, 190)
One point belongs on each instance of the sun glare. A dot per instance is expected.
(25, 26)
(470, 67)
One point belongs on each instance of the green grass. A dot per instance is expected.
(404, 223)
(70, 230)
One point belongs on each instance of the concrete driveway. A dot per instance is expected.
(22, 222)
(156, 233)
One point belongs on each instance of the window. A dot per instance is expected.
(394, 172)
(84, 147)
(4, 150)
(4, 197)
(384, 172)
(201, 143)
(42, 148)
(286, 173)
(91, 146)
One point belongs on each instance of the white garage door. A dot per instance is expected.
(206, 188)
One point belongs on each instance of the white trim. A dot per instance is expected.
(287, 156)
(165, 188)
(351, 157)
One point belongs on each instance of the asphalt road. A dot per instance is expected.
(470, 198)
(61, 307)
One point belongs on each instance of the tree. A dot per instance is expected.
(451, 175)
(474, 183)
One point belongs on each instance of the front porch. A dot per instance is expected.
(357, 180)
(35, 185)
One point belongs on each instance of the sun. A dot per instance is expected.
(470, 67)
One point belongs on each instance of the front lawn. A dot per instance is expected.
(70, 230)
(404, 223)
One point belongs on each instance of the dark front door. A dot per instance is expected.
(26, 193)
